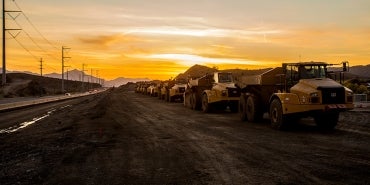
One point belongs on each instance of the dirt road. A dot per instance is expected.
(119, 137)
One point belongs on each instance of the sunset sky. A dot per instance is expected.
(160, 38)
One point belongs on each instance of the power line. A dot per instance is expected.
(25, 48)
(34, 27)
(29, 36)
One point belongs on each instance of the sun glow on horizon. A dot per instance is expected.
(158, 39)
(190, 60)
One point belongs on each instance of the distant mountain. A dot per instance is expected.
(77, 75)
(122, 81)
(25, 72)
(359, 71)
(74, 75)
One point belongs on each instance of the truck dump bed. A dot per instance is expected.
(204, 81)
(271, 77)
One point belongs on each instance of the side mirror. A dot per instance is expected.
(345, 67)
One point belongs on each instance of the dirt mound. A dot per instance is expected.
(33, 88)
(199, 71)
(196, 71)
(21, 85)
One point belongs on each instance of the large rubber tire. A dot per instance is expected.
(192, 101)
(187, 99)
(276, 115)
(242, 107)
(197, 101)
(205, 105)
(167, 96)
(253, 110)
(327, 121)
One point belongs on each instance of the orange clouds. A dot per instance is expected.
(106, 40)
(158, 39)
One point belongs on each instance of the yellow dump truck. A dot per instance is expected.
(212, 91)
(163, 90)
(293, 91)
(176, 92)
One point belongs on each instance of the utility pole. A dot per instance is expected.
(83, 76)
(91, 78)
(66, 85)
(3, 81)
(97, 76)
(41, 67)
(63, 66)
(67, 73)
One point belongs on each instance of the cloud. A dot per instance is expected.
(251, 34)
(106, 40)
(189, 59)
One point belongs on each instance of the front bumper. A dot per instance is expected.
(300, 108)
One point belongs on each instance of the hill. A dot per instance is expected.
(77, 75)
(196, 71)
(363, 71)
(122, 81)
(199, 71)
(21, 85)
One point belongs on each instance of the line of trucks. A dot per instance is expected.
(287, 93)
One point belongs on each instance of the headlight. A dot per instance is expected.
(224, 92)
(314, 94)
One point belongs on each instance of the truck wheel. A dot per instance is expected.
(276, 115)
(254, 114)
(327, 121)
(192, 101)
(205, 104)
(197, 102)
(242, 107)
(170, 99)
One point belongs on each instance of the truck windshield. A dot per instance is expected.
(225, 77)
(312, 71)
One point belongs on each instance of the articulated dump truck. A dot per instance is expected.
(293, 91)
(176, 92)
(172, 90)
(212, 91)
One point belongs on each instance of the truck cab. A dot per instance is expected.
(216, 90)
(176, 92)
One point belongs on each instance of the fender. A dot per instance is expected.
(286, 98)
(211, 95)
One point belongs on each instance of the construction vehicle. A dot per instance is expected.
(176, 92)
(212, 91)
(153, 89)
(140, 87)
(163, 93)
(293, 91)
